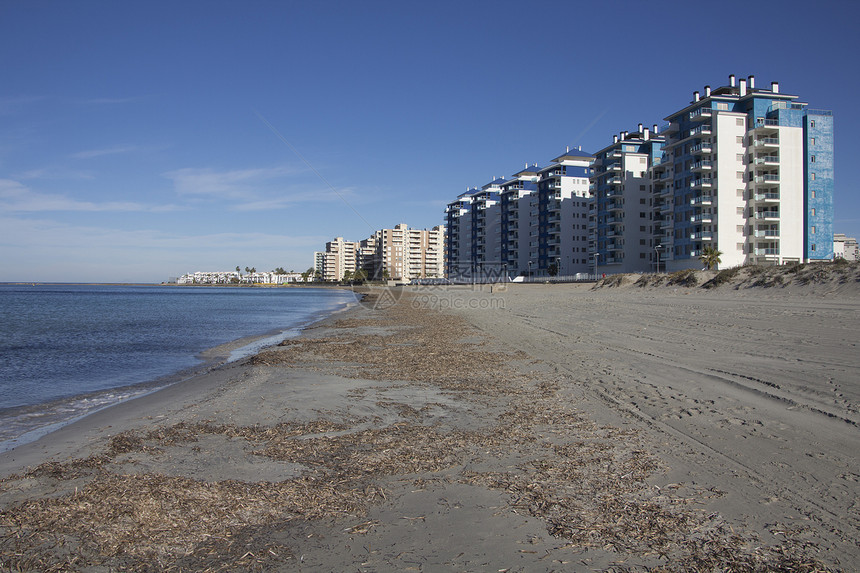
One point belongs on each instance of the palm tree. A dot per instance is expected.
(710, 257)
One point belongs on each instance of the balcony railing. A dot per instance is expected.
(702, 200)
(767, 196)
(768, 251)
(766, 141)
(702, 218)
(767, 215)
(702, 236)
(767, 233)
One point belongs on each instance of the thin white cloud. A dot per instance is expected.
(116, 150)
(239, 184)
(16, 197)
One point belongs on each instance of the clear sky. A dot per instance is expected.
(143, 140)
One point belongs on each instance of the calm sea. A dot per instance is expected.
(66, 351)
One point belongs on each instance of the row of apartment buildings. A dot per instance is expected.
(399, 254)
(745, 170)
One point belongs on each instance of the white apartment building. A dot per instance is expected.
(625, 215)
(558, 241)
(339, 258)
(845, 247)
(751, 175)
(404, 254)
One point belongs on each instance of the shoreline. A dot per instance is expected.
(34, 421)
(536, 435)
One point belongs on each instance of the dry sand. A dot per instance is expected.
(533, 428)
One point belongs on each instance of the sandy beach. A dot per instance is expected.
(527, 428)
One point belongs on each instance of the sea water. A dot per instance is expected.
(68, 350)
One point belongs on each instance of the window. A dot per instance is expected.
(642, 201)
(813, 193)
(641, 215)
(642, 241)
(740, 192)
(741, 175)
(813, 212)
(642, 187)
(813, 246)
(740, 157)
(642, 227)
(812, 123)
(641, 255)
(739, 121)
(812, 159)
(812, 176)
(740, 139)
(812, 141)
(812, 230)
(739, 246)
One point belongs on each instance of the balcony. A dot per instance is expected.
(767, 251)
(701, 148)
(664, 175)
(702, 236)
(702, 218)
(704, 165)
(614, 192)
(761, 233)
(767, 178)
(767, 160)
(613, 167)
(612, 220)
(767, 197)
(613, 206)
(700, 131)
(701, 183)
(615, 180)
(701, 114)
(767, 143)
(667, 207)
(702, 200)
(767, 215)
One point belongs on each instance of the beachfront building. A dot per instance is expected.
(630, 213)
(559, 242)
(340, 257)
(845, 247)
(517, 199)
(209, 278)
(750, 173)
(534, 223)
(458, 248)
(402, 253)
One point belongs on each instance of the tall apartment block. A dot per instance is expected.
(534, 223)
(404, 254)
(624, 217)
(339, 257)
(748, 171)
(400, 253)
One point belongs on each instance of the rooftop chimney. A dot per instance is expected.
(707, 91)
(743, 88)
(752, 83)
(614, 139)
(567, 150)
(654, 129)
(646, 135)
(774, 87)
(640, 128)
(696, 96)
(732, 80)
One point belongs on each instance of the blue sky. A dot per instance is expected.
(142, 140)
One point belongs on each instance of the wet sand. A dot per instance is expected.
(533, 428)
